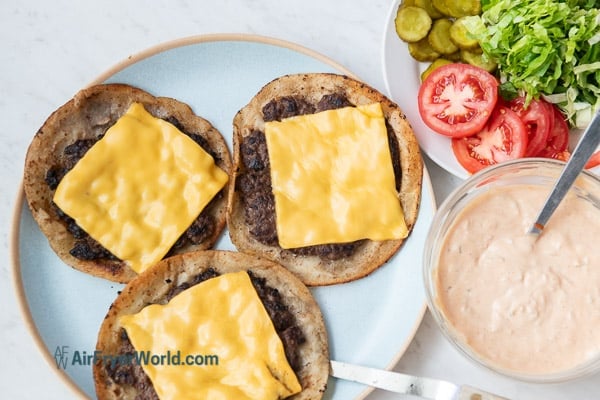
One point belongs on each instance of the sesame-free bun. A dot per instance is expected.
(86, 117)
(306, 91)
(153, 287)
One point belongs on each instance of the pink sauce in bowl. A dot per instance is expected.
(524, 306)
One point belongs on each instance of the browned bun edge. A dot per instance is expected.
(312, 270)
(86, 116)
(153, 285)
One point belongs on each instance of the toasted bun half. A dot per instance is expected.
(69, 132)
(154, 285)
(295, 94)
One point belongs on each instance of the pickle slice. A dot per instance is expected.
(426, 5)
(462, 8)
(407, 3)
(453, 56)
(439, 37)
(435, 64)
(441, 6)
(478, 59)
(460, 35)
(458, 8)
(422, 51)
(412, 23)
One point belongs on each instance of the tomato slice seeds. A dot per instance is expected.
(461, 101)
(538, 118)
(456, 99)
(503, 138)
(558, 137)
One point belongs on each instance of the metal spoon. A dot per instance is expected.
(582, 153)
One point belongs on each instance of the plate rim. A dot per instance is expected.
(23, 304)
(19, 202)
(453, 168)
(460, 172)
(216, 37)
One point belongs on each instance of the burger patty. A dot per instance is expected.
(289, 332)
(87, 248)
(254, 182)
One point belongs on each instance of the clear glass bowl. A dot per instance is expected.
(543, 172)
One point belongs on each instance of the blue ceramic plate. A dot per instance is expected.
(370, 321)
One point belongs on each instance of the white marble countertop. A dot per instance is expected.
(50, 49)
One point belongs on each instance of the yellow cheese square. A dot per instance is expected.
(222, 318)
(333, 179)
(140, 187)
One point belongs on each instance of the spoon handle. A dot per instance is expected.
(582, 153)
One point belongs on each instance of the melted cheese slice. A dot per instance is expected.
(333, 179)
(224, 317)
(140, 187)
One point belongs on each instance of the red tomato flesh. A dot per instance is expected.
(503, 138)
(456, 100)
(558, 142)
(558, 137)
(594, 161)
(538, 118)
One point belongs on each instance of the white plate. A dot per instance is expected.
(370, 321)
(401, 74)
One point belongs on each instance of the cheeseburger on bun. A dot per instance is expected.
(327, 177)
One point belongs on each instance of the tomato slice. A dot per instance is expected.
(594, 161)
(558, 138)
(538, 118)
(503, 138)
(558, 142)
(456, 99)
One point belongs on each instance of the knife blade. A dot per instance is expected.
(428, 388)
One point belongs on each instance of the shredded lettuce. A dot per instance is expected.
(547, 48)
